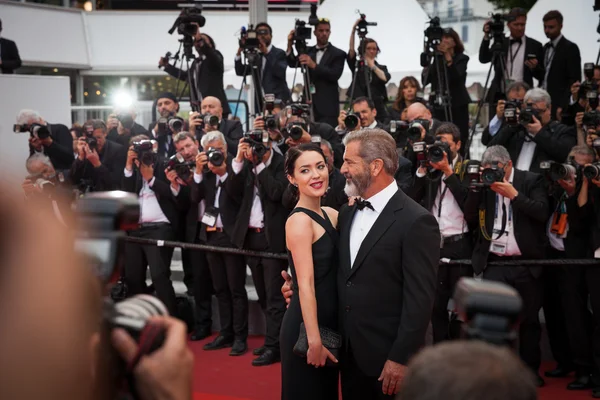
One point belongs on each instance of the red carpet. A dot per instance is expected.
(217, 376)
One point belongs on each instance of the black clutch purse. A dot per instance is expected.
(330, 339)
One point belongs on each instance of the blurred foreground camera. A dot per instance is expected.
(215, 156)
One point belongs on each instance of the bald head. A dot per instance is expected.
(418, 111)
(212, 106)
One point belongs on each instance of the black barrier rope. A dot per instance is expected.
(282, 256)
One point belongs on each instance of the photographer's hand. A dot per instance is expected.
(534, 127)
(486, 30)
(47, 142)
(81, 145)
(575, 90)
(201, 161)
(166, 374)
(35, 143)
(341, 119)
(500, 109)
(163, 62)
(504, 189)
(259, 123)
(242, 150)
(290, 39)
(306, 60)
(193, 120)
(532, 64)
(131, 156)
(174, 179)
(93, 157)
(443, 166)
(568, 184)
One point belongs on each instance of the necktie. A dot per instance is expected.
(512, 41)
(361, 204)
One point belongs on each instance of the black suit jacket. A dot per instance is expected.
(335, 197)
(108, 175)
(404, 174)
(457, 79)
(208, 81)
(162, 189)
(271, 183)
(9, 53)
(532, 46)
(60, 151)
(530, 215)
(273, 74)
(553, 142)
(325, 78)
(565, 70)
(386, 297)
(425, 191)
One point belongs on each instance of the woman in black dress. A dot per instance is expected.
(312, 247)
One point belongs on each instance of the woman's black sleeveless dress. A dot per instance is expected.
(300, 380)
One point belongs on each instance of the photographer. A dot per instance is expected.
(455, 63)
(515, 93)
(208, 69)
(258, 183)
(408, 91)
(168, 125)
(273, 64)
(126, 127)
(159, 219)
(444, 196)
(228, 271)
(518, 51)
(57, 145)
(508, 218)
(536, 138)
(378, 74)
(325, 64)
(211, 106)
(420, 119)
(567, 316)
(364, 109)
(99, 162)
(197, 276)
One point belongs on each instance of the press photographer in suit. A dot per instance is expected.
(273, 64)
(228, 271)
(258, 183)
(231, 129)
(539, 140)
(325, 64)
(514, 210)
(101, 165)
(441, 189)
(515, 93)
(207, 71)
(9, 55)
(159, 219)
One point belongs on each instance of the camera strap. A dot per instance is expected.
(503, 227)
(442, 194)
(512, 57)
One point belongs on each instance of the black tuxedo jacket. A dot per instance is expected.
(273, 75)
(208, 79)
(324, 77)
(565, 70)
(335, 196)
(271, 186)
(386, 297)
(532, 46)
(457, 79)
(229, 206)
(60, 152)
(404, 175)
(328, 133)
(425, 191)
(530, 215)
(162, 189)
(9, 53)
(233, 132)
(553, 142)
(108, 175)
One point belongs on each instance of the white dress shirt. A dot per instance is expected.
(150, 210)
(320, 53)
(364, 219)
(526, 155)
(506, 245)
(449, 216)
(220, 179)
(494, 125)
(548, 57)
(372, 126)
(515, 60)
(257, 216)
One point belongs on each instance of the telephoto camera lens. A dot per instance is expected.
(295, 132)
(492, 175)
(351, 121)
(211, 120)
(270, 122)
(215, 156)
(592, 171)
(436, 152)
(561, 171)
(176, 124)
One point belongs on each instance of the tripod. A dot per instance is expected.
(307, 87)
(498, 54)
(440, 96)
(254, 62)
(360, 65)
(188, 55)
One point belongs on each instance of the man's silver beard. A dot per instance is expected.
(350, 189)
(357, 186)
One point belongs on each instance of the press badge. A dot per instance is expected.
(210, 216)
(499, 245)
(313, 89)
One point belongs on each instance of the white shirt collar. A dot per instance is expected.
(380, 200)
(512, 175)
(455, 161)
(269, 48)
(373, 125)
(555, 41)
(270, 158)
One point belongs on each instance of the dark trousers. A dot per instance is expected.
(331, 121)
(356, 385)
(202, 289)
(188, 269)
(266, 274)
(554, 312)
(448, 275)
(531, 291)
(228, 273)
(139, 257)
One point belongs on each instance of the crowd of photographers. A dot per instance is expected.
(203, 180)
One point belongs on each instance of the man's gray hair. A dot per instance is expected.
(326, 143)
(376, 144)
(582, 150)
(28, 116)
(96, 124)
(37, 158)
(517, 86)
(211, 137)
(497, 154)
(181, 136)
(538, 95)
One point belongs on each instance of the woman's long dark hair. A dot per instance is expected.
(292, 156)
(460, 47)
(400, 103)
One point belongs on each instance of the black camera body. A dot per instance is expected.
(187, 20)
(215, 156)
(268, 113)
(145, 152)
(178, 164)
(526, 115)
(496, 24)
(492, 174)
(351, 121)
(473, 173)
(35, 130)
(295, 130)
(436, 151)
(249, 40)
(90, 139)
(591, 119)
(302, 33)
(258, 140)
(414, 129)
(361, 28)
(555, 172)
(511, 112)
(434, 32)
(592, 171)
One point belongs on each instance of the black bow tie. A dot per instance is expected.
(322, 48)
(361, 204)
(519, 40)
(549, 44)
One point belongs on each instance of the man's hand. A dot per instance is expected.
(35, 143)
(534, 127)
(29, 187)
(201, 161)
(286, 289)
(579, 119)
(290, 36)
(568, 184)
(575, 90)
(47, 142)
(443, 166)
(131, 157)
(147, 171)
(165, 374)
(532, 64)
(500, 109)
(81, 148)
(341, 118)
(93, 157)
(259, 123)
(392, 376)
(504, 189)
(306, 60)
(589, 139)
(242, 151)
(194, 121)
(305, 138)
(163, 62)
(175, 180)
